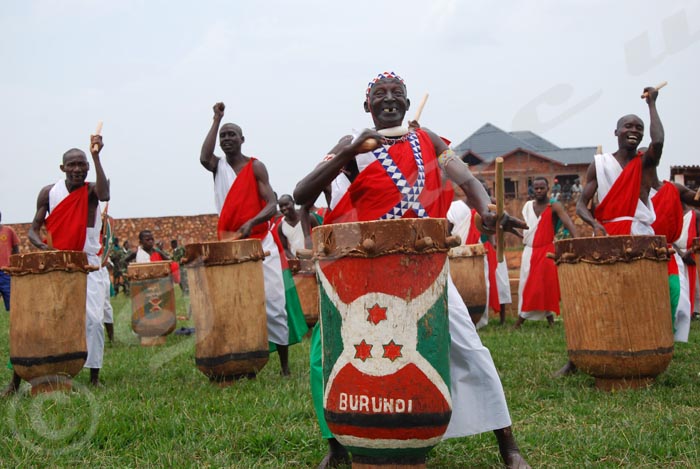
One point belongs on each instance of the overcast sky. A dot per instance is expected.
(293, 75)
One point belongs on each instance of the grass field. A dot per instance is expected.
(157, 410)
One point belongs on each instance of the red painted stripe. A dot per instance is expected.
(423, 433)
(402, 275)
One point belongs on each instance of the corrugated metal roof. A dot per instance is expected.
(490, 142)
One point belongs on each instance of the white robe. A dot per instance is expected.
(97, 282)
(607, 171)
(532, 221)
(277, 329)
(478, 402)
(460, 215)
(683, 312)
(294, 235)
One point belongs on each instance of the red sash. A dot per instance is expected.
(275, 235)
(242, 203)
(67, 222)
(373, 193)
(494, 301)
(473, 235)
(541, 290)
(622, 199)
(692, 269)
(669, 218)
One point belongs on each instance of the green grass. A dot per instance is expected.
(158, 410)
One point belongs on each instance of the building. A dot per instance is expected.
(689, 176)
(525, 156)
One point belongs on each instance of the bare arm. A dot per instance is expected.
(310, 187)
(284, 241)
(559, 211)
(656, 131)
(687, 195)
(207, 157)
(101, 187)
(587, 194)
(42, 208)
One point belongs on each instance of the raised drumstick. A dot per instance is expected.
(98, 131)
(421, 105)
(500, 195)
(657, 87)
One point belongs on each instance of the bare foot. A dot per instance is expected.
(566, 370)
(516, 461)
(509, 449)
(337, 455)
(12, 387)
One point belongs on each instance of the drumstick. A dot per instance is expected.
(49, 239)
(599, 150)
(98, 131)
(657, 87)
(421, 105)
(499, 209)
(697, 195)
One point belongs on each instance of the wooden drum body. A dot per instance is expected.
(306, 284)
(152, 301)
(385, 335)
(468, 272)
(227, 295)
(616, 307)
(47, 317)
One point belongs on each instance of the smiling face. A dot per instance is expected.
(231, 138)
(286, 205)
(629, 132)
(387, 102)
(76, 167)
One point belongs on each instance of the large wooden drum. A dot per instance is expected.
(385, 335)
(616, 307)
(47, 317)
(304, 273)
(152, 301)
(227, 295)
(467, 269)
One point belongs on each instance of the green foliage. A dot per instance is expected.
(156, 409)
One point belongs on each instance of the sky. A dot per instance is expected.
(293, 76)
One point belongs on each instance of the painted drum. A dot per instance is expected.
(468, 271)
(616, 307)
(385, 336)
(227, 295)
(47, 317)
(304, 272)
(152, 301)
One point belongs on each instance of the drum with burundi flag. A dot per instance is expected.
(385, 336)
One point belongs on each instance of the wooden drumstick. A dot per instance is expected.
(500, 194)
(49, 239)
(657, 87)
(368, 145)
(98, 131)
(599, 150)
(697, 195)
(421, 105)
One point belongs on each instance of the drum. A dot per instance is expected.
(152, 301)
(468, 272)
(616, 307)
(47, 317)
(227, 295)
(304, 273)
(385, 336)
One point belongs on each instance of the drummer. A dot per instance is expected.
(473, 372)
(246, 203)
(539, 285)
(146, 252)
(623, 179)
(291, 231)
(59, 208)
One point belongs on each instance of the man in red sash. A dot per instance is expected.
(246, 203)
(392, 172)
(539, 285)
(623, 179)
(70, 210)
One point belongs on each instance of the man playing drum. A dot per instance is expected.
(363, 191)
(246, 203)
(70, 210)
(539, 286)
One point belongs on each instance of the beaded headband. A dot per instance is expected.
(382, 76)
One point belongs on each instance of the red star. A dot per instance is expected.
(363, 350)
(392, 351)
(376, 314)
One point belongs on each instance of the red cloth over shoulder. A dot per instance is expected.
(622, 199)
(67, 222)
(541, 290)
(242, 203)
